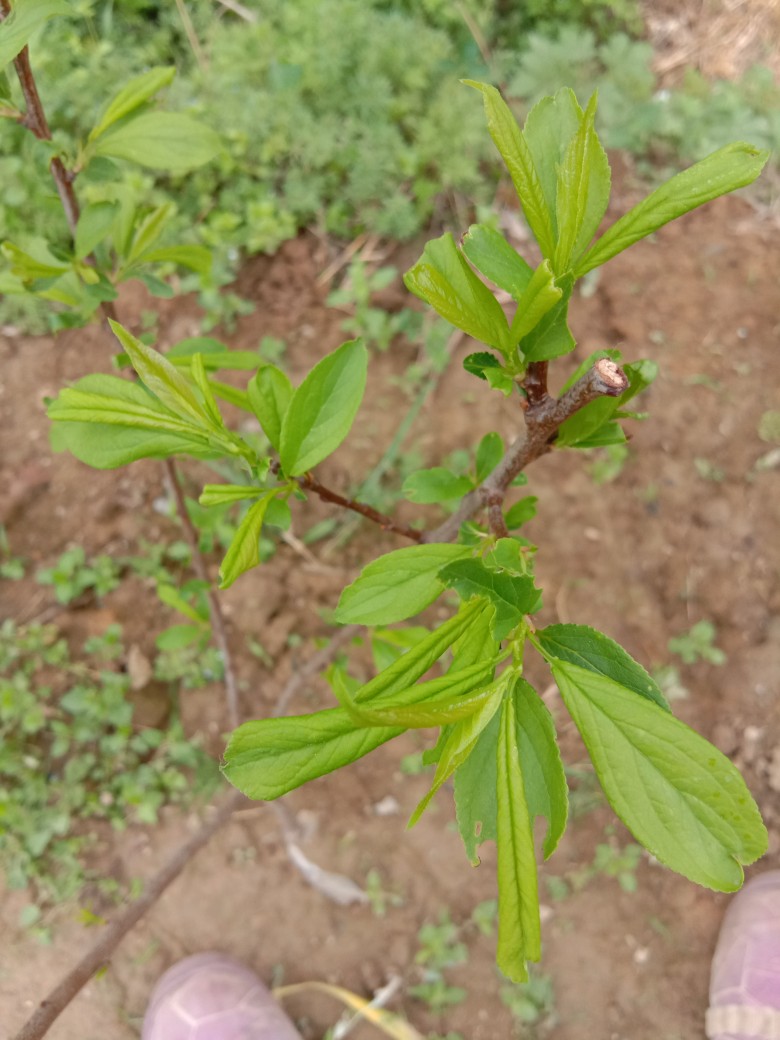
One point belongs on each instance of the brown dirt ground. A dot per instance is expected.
(643, 558)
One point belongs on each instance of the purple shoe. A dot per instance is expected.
(212, 997)
(745, 979)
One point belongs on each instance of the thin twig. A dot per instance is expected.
(215, 608)
(192, 36)
(310, 483)
(35, 120)
(240, 10)
(542, 419)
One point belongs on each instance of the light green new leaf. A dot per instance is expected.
(450, 698)
(589, 648)
(160, 141)
(29, 268)
(216, 355)
(734, 166)
(518, 159)
(398, 585)
(490, 451)
(108, 422)
(677, 794)
(551, 338)
(25, 18)
(519, 927)
(268, 757)
(163, 379)
(105, 446)
(513, 597)
(575, 175)
(201, 380)
(132, 95)
(490, 253)
(461, 739)
(244, 551)
(270, 392)
(323, 408)
(431, 486)
(171, 597)
(540, 296)
(442, 277)
(544, 780)
(475, 791)
(194, 258)
(148, 231)
(221, 494)
(94, 224)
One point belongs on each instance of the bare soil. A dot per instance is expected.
(643, 558)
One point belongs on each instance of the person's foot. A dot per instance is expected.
(745, 978)
(212, 997)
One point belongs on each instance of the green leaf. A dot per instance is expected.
(519, 927)
(551, 338)
(323, 408)
(450, 698)
(575, 175)
(478, 363)
(195, 258)
(518, 159)
(176, 637)
(544, 780)
(677, 794)
(163, 379)
(490, 253)
(171, 597)
(148, 231)
(734, 166)
(269, 757)
(490, 451)
(461, 739)
(160, 141)
(588, 648)
(443, 278)
(220, 494)
(94, 224)
(430, 486)
(270, 393)
(200, 379)
(25, 18)
(107, 446)
(521, 512)
(398, 585)
(475, 791)
(549, 127)
(244, 551)
(540, 296)
(513, 597)
(117, 402)
(30, 268)
(132, 95)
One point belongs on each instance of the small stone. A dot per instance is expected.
(388, 806)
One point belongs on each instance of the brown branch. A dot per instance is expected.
(215, 608)
(542, 420)
(35, 120)
(535, 383)
(310, 483)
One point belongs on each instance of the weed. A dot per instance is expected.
(532, 1003)
(698, 645)
(709, 470)
(380, 899)
(70, 756)
(73, 575)
(440, 948)
(375, 325)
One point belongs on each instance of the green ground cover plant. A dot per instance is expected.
(467, 676)
(351, 140)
